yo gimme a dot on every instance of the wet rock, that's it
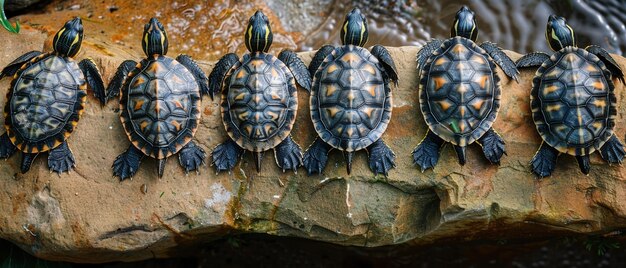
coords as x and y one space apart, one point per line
17 5
89 216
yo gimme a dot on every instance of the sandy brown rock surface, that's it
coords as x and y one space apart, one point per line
89 216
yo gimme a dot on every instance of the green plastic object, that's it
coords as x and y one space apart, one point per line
5 22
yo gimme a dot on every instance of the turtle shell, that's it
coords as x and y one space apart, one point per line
350 100
260 102
459 91
572 101
44 103
160 106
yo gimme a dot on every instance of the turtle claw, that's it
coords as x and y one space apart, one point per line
60 159
544 161
613 151
191 157
381 158
6 147
126 164
288 155
493 146
316 157
225 156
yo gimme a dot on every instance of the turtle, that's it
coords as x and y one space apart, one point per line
259 100
46 99
351 100
459 93
572 100
160 105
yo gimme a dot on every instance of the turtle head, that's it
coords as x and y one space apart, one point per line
354 29
559 34
68 39
259 34
154 40
465 24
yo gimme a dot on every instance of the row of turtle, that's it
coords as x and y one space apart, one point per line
572 99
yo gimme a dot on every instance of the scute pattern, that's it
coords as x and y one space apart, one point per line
573 102
260 102
350 101
44 103
459 91
160 108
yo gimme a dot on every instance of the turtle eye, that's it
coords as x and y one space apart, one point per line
68 39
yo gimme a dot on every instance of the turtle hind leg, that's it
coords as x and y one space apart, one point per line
127 164
316 157
544 161
426 154
191 157
381 157
27 161
7 149
288 155
61 159
493 146
584 163
226 155
613 150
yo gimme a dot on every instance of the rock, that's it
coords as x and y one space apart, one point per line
89 216
17 5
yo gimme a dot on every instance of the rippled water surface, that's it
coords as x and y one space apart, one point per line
209 29
513 24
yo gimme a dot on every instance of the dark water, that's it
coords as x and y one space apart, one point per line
513 24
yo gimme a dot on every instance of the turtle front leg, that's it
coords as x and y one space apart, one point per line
126 164
218 73
316 157
532 59
608 61
117 82
613 151
544 161
225 155
191 157
426 154
192 66
61 159
7 149
493 146
94 80
506 63
15 65
297 68
288 155
381 157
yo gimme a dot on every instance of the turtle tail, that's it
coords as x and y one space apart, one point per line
349 156
161 167
257 160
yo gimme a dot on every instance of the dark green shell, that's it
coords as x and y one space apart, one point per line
459 91
44 103
160 106
260 102
350 102
572 101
